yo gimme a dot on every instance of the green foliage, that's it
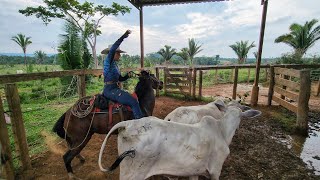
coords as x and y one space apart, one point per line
301 37
40 56
167 53
70 48
86 16
184 55
242 49
23 42
194 49
291 58
30 68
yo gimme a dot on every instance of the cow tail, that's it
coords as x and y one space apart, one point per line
117 162
130 153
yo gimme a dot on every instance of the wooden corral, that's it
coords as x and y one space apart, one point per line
190 87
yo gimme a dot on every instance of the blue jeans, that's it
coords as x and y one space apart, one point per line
116 94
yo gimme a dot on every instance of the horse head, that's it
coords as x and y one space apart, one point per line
148 78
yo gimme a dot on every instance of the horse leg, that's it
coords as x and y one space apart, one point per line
71 153
81 158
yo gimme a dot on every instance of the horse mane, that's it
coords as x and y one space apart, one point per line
141 87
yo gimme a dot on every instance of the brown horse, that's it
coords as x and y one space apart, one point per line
78 131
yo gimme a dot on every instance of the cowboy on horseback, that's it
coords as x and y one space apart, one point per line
112 77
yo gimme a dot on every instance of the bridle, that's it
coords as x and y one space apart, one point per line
149 77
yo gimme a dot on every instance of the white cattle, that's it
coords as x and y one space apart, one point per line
193 114
175 149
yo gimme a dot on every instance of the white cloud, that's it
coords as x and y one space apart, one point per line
201 25
215 25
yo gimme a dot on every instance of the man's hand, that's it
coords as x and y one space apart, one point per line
130 74
126 34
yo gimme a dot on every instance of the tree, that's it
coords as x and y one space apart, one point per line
242 49
70 48
23 42
40 56
167 52
301 37
86 16
184 55
255 54
194 49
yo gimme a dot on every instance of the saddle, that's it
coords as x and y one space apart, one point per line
102 104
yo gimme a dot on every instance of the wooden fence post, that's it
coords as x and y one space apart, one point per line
235 82
157 76
248 76
81 85
5 145
318 90
165 70
266 74
271 85
194 82
216 76
303 101
232 74
200 84
18 129
190 82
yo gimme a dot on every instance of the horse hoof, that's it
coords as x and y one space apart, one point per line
73 177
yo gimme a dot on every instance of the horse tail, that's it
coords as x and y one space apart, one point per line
122 124
58 127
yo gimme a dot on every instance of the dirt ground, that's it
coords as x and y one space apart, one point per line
254 152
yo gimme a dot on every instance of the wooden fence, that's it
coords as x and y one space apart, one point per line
178 81
293 87
233 78
19 134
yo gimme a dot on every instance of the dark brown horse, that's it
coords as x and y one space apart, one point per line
78 131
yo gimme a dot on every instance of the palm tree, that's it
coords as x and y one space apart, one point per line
255 54
23 42
194 49
301 37
40 56
241 49
167 52
184 55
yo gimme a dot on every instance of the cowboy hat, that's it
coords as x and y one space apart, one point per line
106 51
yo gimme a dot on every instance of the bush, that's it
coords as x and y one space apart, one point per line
290 58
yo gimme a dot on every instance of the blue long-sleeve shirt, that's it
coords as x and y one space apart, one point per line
111 70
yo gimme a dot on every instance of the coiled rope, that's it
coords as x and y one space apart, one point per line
76 109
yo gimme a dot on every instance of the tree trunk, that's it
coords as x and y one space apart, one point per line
25 57
95 59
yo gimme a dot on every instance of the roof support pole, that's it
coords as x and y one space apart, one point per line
255 88
141 36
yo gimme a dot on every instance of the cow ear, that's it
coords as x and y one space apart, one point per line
221 107
251 113
244 107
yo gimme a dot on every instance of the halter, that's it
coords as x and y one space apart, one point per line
149 77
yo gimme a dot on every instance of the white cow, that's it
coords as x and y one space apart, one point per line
169 148
193 114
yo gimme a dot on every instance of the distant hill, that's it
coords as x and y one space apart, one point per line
21 54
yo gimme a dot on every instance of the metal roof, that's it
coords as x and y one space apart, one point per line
140 3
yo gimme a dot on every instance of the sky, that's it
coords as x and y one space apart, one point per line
214 25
